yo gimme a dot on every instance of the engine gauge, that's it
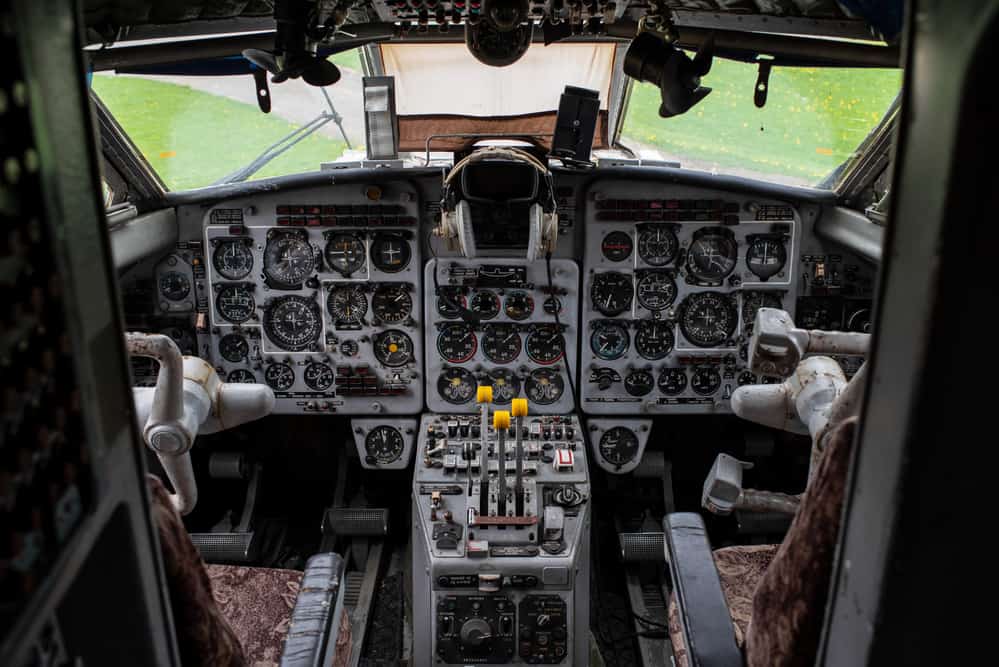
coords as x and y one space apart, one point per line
752 302
233 347
288 259
639 383
347 304
457 343
610 340
766 257
485 304
279 377
505 384
544 386
618 446
235 303
617 246
712 255
318 376
501 343
552 305
383 445
448 300
705 380
232 259
708 319
519 305
456 385
240 376
611 293
175 285
390 253
393 348
656 291
746 377
672 381
657 245
545 344
292 322
392 304
344 253
654 339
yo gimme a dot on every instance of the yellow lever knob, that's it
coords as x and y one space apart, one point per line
518 408
484 394
501 420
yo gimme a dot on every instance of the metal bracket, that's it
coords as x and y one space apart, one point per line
263 91
762 83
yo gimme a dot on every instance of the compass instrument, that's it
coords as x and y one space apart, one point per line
293 323
708 319
288 259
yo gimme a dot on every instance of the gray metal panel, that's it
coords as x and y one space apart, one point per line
142 237
852 230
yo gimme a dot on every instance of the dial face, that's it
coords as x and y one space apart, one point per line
457 343
545 344
456 385
392 304
654 339
347 304
318 377
344 253
545 386
708 319
705 380
235 303
384 444
288 259
552 305
617 246
619 446
712 255
766 257
518 305
233 347
279 377
505 384
501 343
639 383
293 323
672 381
610 340
485 304
233 259
175 285
390 253
611 293
656 290
393 348
752 302
657 245
240 376
448 299
746 377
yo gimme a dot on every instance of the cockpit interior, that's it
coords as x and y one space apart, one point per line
360 333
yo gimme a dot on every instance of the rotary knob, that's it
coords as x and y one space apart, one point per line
475 632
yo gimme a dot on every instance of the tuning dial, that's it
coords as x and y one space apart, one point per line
475 632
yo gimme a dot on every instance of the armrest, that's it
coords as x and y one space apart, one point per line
704 617
315 620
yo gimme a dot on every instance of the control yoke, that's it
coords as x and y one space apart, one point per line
188 399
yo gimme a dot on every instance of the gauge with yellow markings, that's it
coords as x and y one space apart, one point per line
456 385
393 348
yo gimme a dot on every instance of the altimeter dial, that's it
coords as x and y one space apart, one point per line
347 304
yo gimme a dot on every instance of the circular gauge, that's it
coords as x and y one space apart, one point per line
501 343
347 304
705 380
766 257
349 348
235 303
390 253
656 290
175 285
746 377
654 339
456 385
505 384
639 383
657 245
619 446
393 348
708 319
552 305
240 376
545 344
672 381
233 259
391 304
279 377
318 377
457 343
518 305
545 386
344 253
859 321
617 246
233 347
485 304
752 302
712 255
288 259
292 322
448 300
383 445
610 340
611 293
